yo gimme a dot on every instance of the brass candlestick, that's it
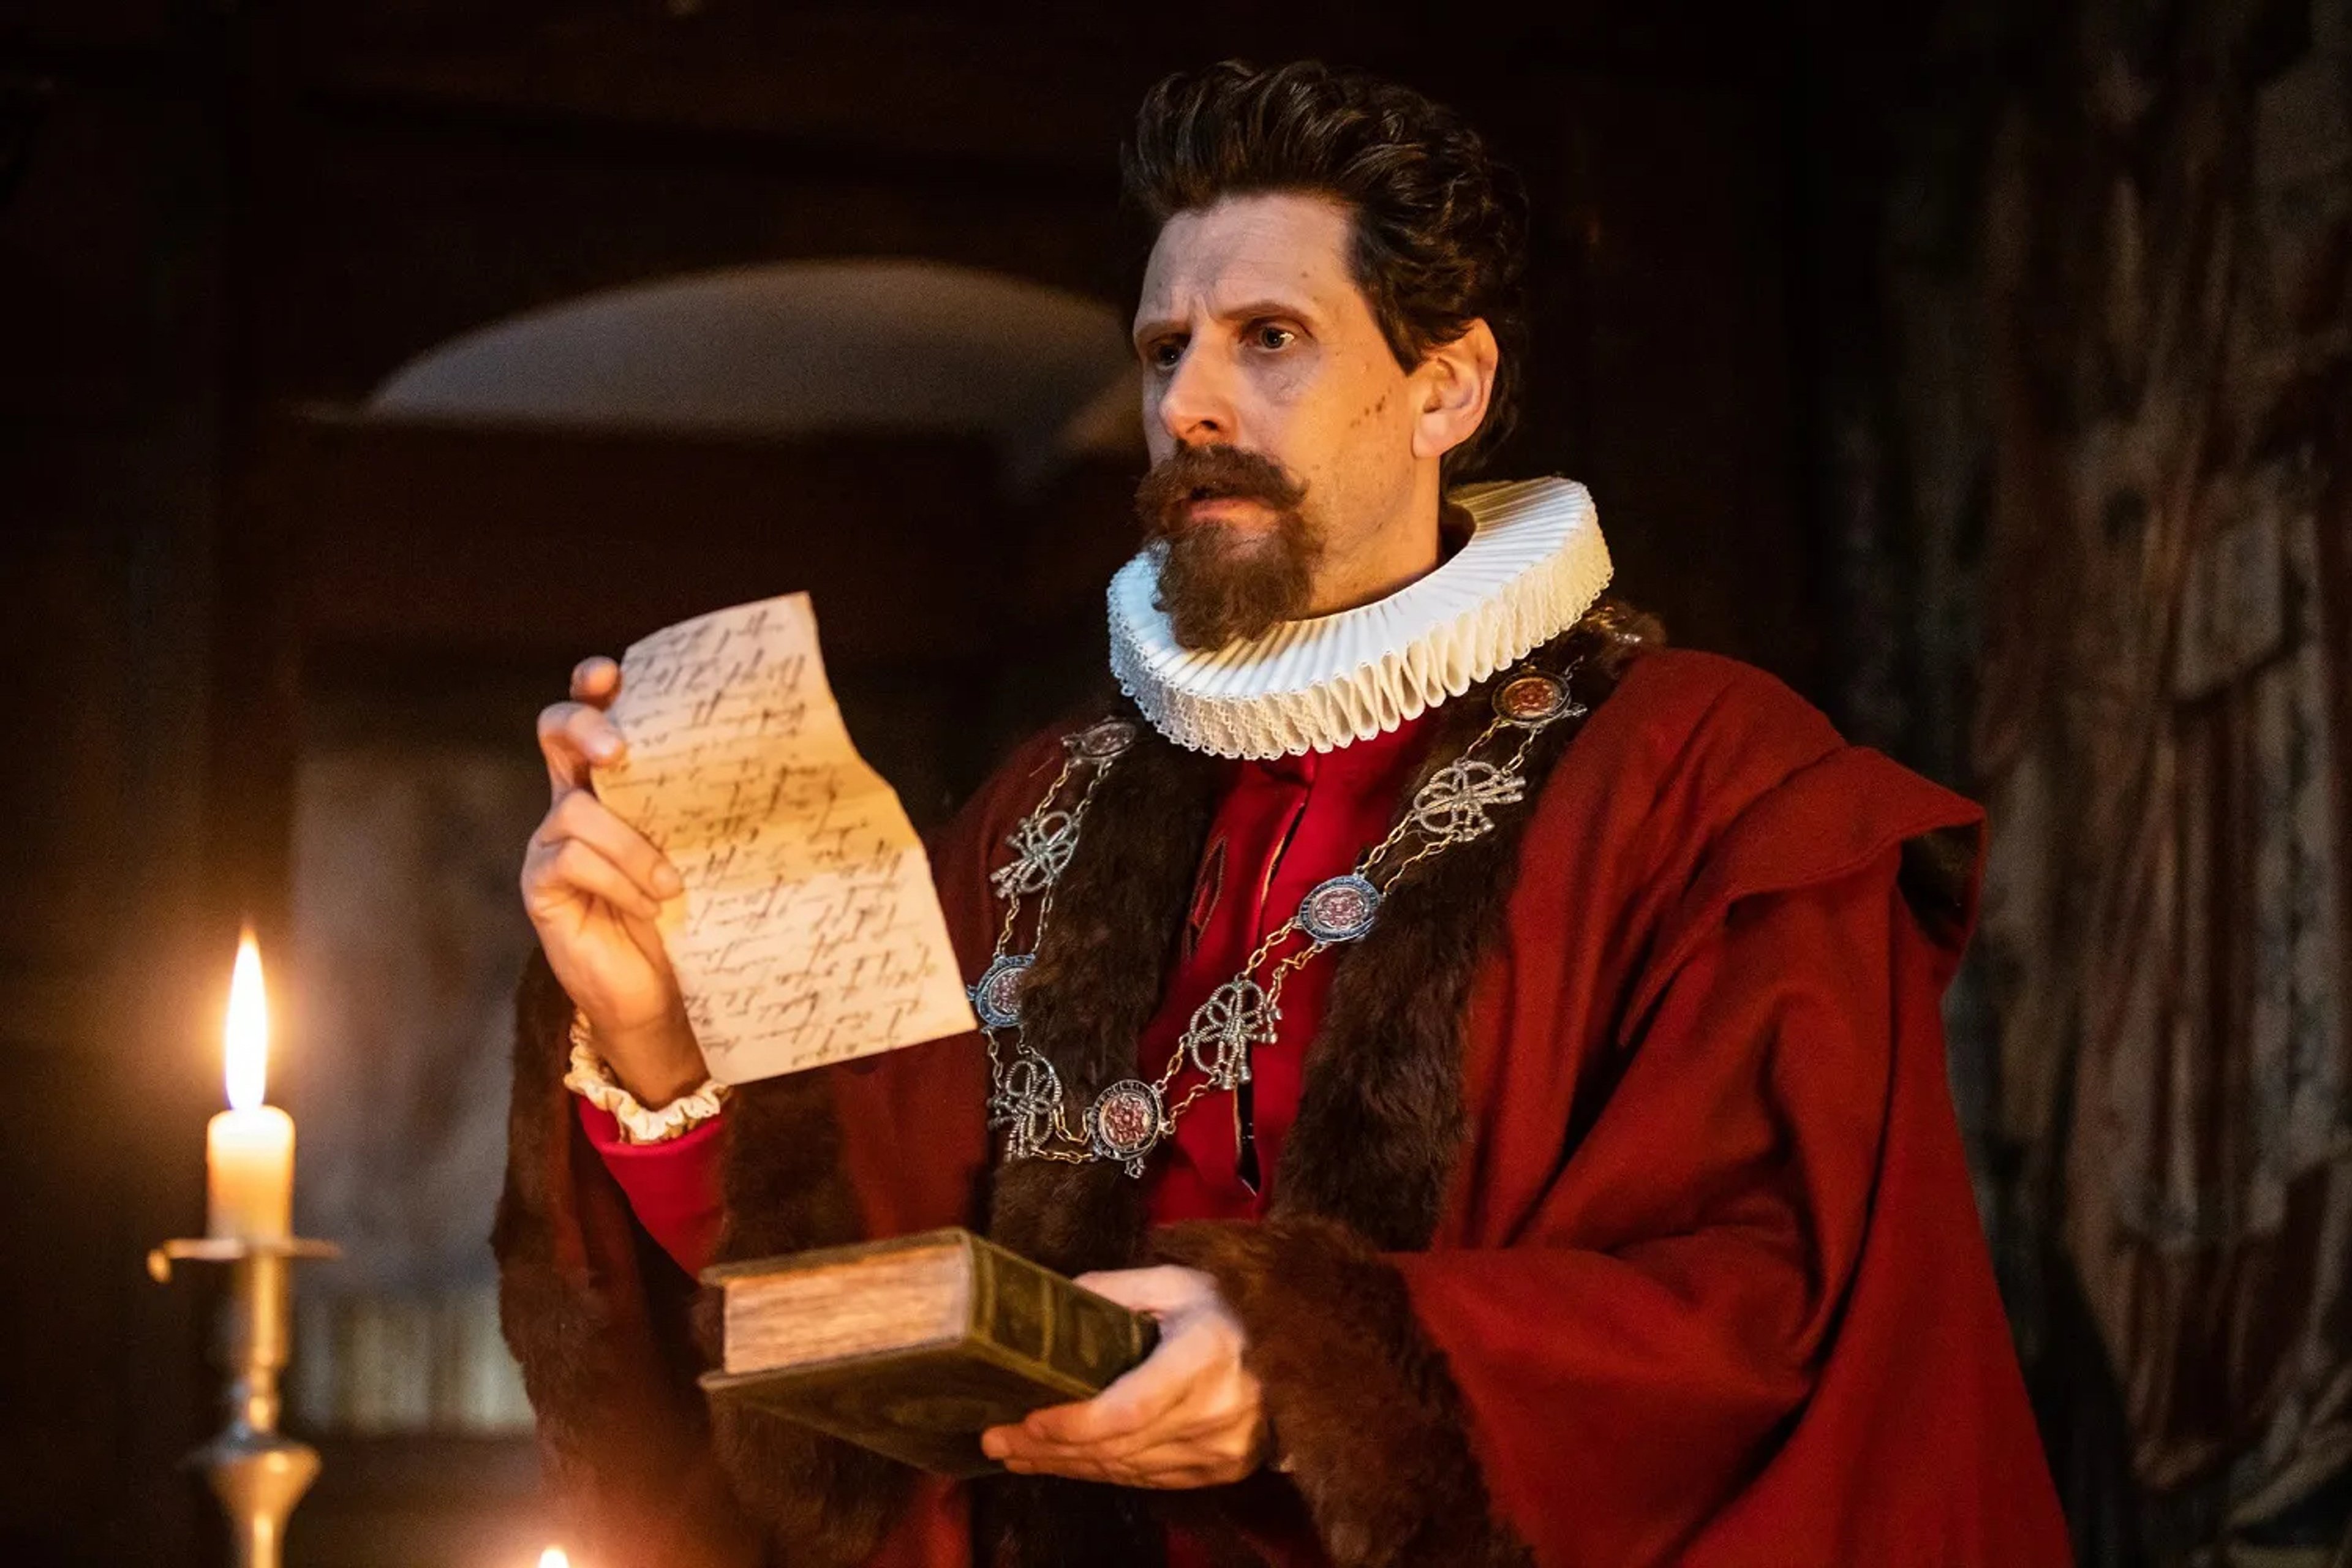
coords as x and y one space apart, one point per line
258 1474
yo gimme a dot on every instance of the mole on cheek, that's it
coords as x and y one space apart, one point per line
1374 412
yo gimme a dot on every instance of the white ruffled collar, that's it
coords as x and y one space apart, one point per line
1534 563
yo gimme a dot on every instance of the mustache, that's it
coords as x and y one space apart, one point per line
1210 473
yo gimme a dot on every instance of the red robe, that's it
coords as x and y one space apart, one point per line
1707 1283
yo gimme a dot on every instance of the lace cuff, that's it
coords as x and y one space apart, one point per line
593 1081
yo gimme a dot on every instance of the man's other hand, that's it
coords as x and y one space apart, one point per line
1190 1416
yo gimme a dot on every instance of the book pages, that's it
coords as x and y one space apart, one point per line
809 931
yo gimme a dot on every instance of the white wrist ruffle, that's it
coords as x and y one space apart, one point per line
593 1081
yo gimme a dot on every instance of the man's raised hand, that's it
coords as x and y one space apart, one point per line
593 886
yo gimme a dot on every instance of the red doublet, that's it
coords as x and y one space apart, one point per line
1281 827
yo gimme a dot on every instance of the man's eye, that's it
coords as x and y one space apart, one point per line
1164 355
1273 337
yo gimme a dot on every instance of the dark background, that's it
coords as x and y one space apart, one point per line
1782 334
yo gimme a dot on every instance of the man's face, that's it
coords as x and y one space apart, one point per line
1280 422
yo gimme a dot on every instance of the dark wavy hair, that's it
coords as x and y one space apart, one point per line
1439 226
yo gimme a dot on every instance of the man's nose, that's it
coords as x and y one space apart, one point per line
1196 405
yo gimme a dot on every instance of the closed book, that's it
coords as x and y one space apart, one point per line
914 1346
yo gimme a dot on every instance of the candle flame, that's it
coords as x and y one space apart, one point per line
247 1035
553 1557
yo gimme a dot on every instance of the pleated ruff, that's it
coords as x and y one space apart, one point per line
1534 563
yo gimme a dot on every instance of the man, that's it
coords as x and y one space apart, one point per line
1504 1054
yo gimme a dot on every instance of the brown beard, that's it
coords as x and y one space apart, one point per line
1219 584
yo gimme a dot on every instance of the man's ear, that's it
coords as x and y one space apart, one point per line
1451 389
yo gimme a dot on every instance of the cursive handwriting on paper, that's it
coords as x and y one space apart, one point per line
809 931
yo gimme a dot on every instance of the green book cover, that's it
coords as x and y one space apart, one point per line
915 1345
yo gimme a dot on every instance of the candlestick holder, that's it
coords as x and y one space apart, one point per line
257 1473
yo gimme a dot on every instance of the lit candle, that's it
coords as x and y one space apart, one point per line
249 1147
553 1558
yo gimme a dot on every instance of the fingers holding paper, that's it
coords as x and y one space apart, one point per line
1190 1415
593 889
593 886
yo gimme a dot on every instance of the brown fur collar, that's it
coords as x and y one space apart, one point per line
1099 974
1367 1164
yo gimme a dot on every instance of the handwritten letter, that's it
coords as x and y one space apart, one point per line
809 931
